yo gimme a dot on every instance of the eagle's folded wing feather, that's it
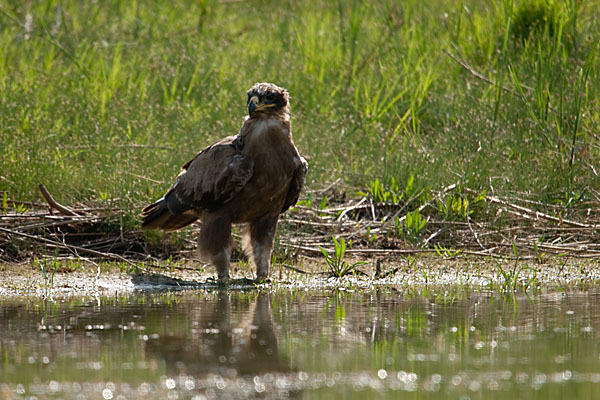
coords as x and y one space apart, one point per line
296 185
212 178
206 182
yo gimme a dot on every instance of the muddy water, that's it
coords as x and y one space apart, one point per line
431 344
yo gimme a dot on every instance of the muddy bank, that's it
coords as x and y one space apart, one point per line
88 279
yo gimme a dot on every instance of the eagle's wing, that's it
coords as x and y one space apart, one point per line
207 181
212 178
296 185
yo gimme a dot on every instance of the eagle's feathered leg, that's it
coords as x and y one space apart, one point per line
214 243
258 244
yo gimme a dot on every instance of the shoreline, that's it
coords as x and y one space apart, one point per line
25 279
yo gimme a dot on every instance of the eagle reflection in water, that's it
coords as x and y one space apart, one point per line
220 345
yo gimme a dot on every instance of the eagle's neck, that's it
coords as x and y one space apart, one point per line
283 115
267 123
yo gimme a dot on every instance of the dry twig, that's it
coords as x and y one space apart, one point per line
54 204
305 230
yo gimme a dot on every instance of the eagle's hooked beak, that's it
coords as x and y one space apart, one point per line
254 105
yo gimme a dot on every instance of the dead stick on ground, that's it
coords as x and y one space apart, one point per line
532 214
54 204
323 191
301 271
354 207
70 248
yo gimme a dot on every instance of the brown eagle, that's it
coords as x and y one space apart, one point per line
249 178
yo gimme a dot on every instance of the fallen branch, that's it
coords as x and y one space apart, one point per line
300 271
532 214
54 204
70 248
307 229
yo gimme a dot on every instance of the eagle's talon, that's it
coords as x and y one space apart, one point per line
224 280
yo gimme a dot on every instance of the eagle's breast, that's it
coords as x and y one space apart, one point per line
268 143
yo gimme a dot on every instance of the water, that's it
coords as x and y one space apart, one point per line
430 344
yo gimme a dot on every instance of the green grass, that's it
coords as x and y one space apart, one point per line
103 101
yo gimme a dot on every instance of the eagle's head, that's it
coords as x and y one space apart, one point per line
267 99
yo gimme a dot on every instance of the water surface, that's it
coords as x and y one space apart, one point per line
430 344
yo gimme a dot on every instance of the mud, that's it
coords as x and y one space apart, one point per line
88 279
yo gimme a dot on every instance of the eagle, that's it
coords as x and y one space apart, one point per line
249 178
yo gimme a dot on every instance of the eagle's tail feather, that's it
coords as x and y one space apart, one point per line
158 216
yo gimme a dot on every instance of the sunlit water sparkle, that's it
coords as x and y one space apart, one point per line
292 343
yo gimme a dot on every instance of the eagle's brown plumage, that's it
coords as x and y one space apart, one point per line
248 178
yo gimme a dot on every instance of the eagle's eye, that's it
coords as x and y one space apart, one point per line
269 97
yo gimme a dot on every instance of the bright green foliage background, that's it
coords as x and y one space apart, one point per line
106 99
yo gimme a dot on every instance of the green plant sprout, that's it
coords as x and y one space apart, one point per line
412 227
336 264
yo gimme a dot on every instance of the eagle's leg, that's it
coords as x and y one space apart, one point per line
259 244
214 243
